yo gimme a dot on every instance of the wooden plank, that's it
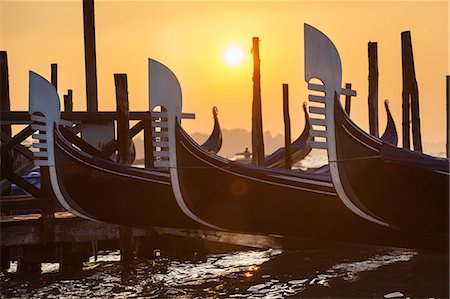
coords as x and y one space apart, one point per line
90 55
21 171
287 128
257 129
9 143
19 202
22 183
22 117
373 89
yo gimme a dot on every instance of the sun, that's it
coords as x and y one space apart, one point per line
233 55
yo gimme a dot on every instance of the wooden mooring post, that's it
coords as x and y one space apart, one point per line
373 89
287 128
410 95
68 101
5 105
6 129
90 55
96 133
348 98
54 75
448 117
124 155
257 129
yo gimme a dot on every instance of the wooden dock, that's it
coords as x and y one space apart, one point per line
76 239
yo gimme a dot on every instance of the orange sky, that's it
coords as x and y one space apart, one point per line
191 37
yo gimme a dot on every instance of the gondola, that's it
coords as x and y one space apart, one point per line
406 190
214 143
390 134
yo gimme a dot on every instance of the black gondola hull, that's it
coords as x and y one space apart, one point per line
392 183
245 198
116 193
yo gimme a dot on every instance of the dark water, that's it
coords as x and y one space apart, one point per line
346 272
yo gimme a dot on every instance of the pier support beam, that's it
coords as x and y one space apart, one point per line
410 95
90 55
5 105
373 89
124 155
287 128
448 117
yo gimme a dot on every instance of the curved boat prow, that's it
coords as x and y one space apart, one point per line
165 91
44 109
164 88
390 134
214 143
322 62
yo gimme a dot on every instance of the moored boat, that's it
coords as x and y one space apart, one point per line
401 189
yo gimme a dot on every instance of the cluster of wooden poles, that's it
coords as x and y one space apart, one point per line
410 103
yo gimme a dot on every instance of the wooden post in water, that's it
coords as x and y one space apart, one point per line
124 155
448 117
373 89
97 133
5 105
123 118
412 89
90 56
54 75
287 128
68 101
348 98
257 130
410 95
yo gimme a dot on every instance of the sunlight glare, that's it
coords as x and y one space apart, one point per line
233 55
